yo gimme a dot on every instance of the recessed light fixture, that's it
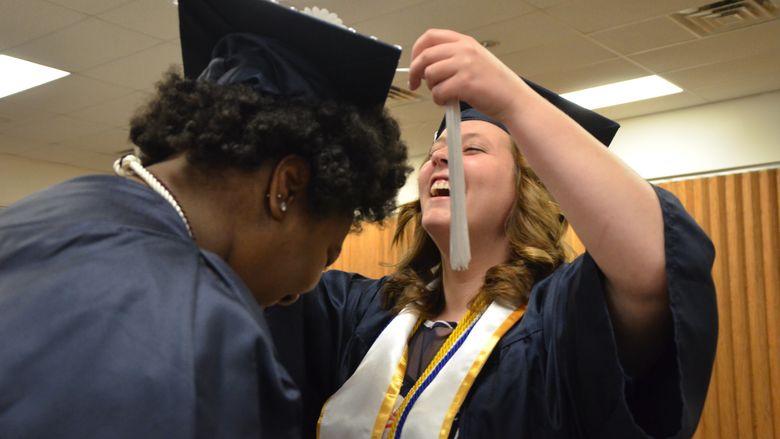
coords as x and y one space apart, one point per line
18 75
617 93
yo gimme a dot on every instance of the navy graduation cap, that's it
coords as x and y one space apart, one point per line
598 126
280 51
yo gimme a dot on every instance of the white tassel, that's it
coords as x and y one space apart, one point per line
460 248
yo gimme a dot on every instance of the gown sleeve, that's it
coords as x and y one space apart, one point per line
322 337
590 390
149 340
242 388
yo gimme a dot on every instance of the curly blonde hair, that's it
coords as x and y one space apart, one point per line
536 229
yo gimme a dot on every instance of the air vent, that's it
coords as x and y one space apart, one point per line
399 94
727 15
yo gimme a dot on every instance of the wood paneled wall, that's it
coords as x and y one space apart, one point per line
370 252
740 213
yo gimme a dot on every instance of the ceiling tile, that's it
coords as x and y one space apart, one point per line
418 112
91 7
650 106
566 54
70 156
459 15
5 122
67 94
594 15
95 161
83 45
465 14
545 4
592 75
139 71
480 13
763 84
112 142
716 82
739 43
644 35
56 129
24 20
723 74
15 114
419 138
115 113
522 32
353 12
158 18
16 146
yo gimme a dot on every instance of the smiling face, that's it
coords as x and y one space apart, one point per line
490 177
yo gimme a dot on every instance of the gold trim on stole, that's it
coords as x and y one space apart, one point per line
474 370
391 395
387 404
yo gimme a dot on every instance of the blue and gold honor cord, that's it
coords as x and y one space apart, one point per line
447 350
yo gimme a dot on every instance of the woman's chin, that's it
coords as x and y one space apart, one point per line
287 300
436 217
439 232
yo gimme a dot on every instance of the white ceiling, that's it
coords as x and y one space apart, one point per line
117 49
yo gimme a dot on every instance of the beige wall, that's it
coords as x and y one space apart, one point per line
736 133
20 177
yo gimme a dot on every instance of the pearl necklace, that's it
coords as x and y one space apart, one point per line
130 164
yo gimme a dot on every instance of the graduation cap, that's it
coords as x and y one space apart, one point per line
281 51
598 126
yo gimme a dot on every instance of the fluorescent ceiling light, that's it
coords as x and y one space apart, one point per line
623 92
17 75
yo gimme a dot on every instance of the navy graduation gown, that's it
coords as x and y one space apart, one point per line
114 323
556 373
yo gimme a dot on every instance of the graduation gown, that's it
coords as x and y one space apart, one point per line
116 324
554 374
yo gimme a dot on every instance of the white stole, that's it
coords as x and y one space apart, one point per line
362 406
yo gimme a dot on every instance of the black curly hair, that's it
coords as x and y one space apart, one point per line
357 158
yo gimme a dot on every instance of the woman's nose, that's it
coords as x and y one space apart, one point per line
439 157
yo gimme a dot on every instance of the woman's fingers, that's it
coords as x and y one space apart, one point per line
433 46
457 67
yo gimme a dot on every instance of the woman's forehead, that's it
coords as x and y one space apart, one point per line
477 129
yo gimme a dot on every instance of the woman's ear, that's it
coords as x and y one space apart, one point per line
289 180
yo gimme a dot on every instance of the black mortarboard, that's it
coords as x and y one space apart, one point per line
279 50
598 126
